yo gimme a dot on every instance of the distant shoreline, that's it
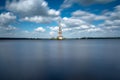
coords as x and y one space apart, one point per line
56 39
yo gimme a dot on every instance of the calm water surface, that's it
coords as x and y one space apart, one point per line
60 60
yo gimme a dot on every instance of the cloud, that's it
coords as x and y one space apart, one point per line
87 16
69 3
39 19
40 29
74 22
28 7
53 13
114 15
54 28
10 28
6 18
79 23
52 33
31 8
94 30
112 22
7 31
33 11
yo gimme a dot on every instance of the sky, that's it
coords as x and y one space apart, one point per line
41 18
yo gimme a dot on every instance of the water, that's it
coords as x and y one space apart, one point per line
60 60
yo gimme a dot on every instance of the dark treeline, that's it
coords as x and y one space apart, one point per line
2 38
23 38
100 38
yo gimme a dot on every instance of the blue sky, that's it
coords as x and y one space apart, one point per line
79 18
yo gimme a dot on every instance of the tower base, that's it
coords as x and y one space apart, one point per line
59 37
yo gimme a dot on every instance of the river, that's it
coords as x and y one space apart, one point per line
92 59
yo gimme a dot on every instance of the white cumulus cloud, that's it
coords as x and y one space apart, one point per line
38 19
5 22
6 18
33 10
30 8
40 29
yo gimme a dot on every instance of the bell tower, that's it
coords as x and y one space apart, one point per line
60 37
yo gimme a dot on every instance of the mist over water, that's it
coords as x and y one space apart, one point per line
60 60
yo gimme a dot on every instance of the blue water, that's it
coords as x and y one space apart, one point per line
60 60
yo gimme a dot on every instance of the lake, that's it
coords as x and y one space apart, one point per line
92 59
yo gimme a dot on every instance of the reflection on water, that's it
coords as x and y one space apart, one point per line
60 60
